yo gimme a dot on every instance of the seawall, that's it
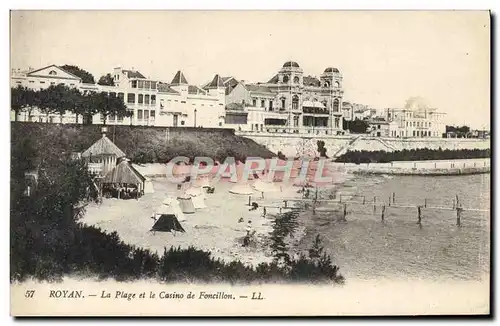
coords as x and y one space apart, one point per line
293 145
438 167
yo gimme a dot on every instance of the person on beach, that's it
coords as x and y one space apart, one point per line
249 228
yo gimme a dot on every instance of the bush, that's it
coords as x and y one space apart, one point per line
411 155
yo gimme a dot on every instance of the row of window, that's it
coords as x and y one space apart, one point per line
295 103
42 82
416 133
418 124
141 98
143 84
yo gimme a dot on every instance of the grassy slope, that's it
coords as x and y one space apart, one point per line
142 144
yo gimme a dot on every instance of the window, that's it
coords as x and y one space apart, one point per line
270 105
326 84
140 84
285 79
52 73
283 102
254 101
296 79
32 81
146 114
337 123
121 96
182 122
71 84
407 123
18 82
413 123
139 114
153 85
413 133
52 83
42 82
337 84
140 100
146 99
378 127
295 102
336 105
153 113
147 84
134 83
153 99
429 124
262 103
131 98
418 123
418 133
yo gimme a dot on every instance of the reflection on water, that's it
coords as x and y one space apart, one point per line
365 247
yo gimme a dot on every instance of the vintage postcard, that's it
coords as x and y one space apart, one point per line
250 163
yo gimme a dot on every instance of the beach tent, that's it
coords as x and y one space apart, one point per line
241 189
171 206
197 197
263 186
186 204
125 173
167 223
148 186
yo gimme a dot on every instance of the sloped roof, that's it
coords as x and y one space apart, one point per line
134 74
215 83
165 88
33 72
311 81
258 88
124 172
179 79
273 80
104 146
193 89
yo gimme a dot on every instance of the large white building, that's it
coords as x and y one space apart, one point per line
151 102
415 120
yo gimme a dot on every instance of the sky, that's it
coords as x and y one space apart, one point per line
385 57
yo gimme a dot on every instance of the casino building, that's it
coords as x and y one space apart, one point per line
290 102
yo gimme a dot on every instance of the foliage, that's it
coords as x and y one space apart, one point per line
422 154
61 99
106 80
356 126
86 76
321 148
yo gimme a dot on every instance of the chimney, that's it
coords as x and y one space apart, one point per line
104 130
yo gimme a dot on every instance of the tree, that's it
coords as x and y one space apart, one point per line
110 104
106 80
356 126
86 76
21 98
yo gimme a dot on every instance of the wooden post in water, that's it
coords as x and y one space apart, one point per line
389 200
374 204
316 194
345 212
364 200
459 215
419 209
458 202
249 200
393 197
425 202
453 204
314 208
383 213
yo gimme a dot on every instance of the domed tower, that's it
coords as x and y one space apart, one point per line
291 74
331 84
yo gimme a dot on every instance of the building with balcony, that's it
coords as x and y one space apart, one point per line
152 102
289 102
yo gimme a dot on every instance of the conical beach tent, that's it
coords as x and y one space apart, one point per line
148 186
262 186
241 189
186 204
197 197
167 223
171 206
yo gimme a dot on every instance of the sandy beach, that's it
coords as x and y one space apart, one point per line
215 228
